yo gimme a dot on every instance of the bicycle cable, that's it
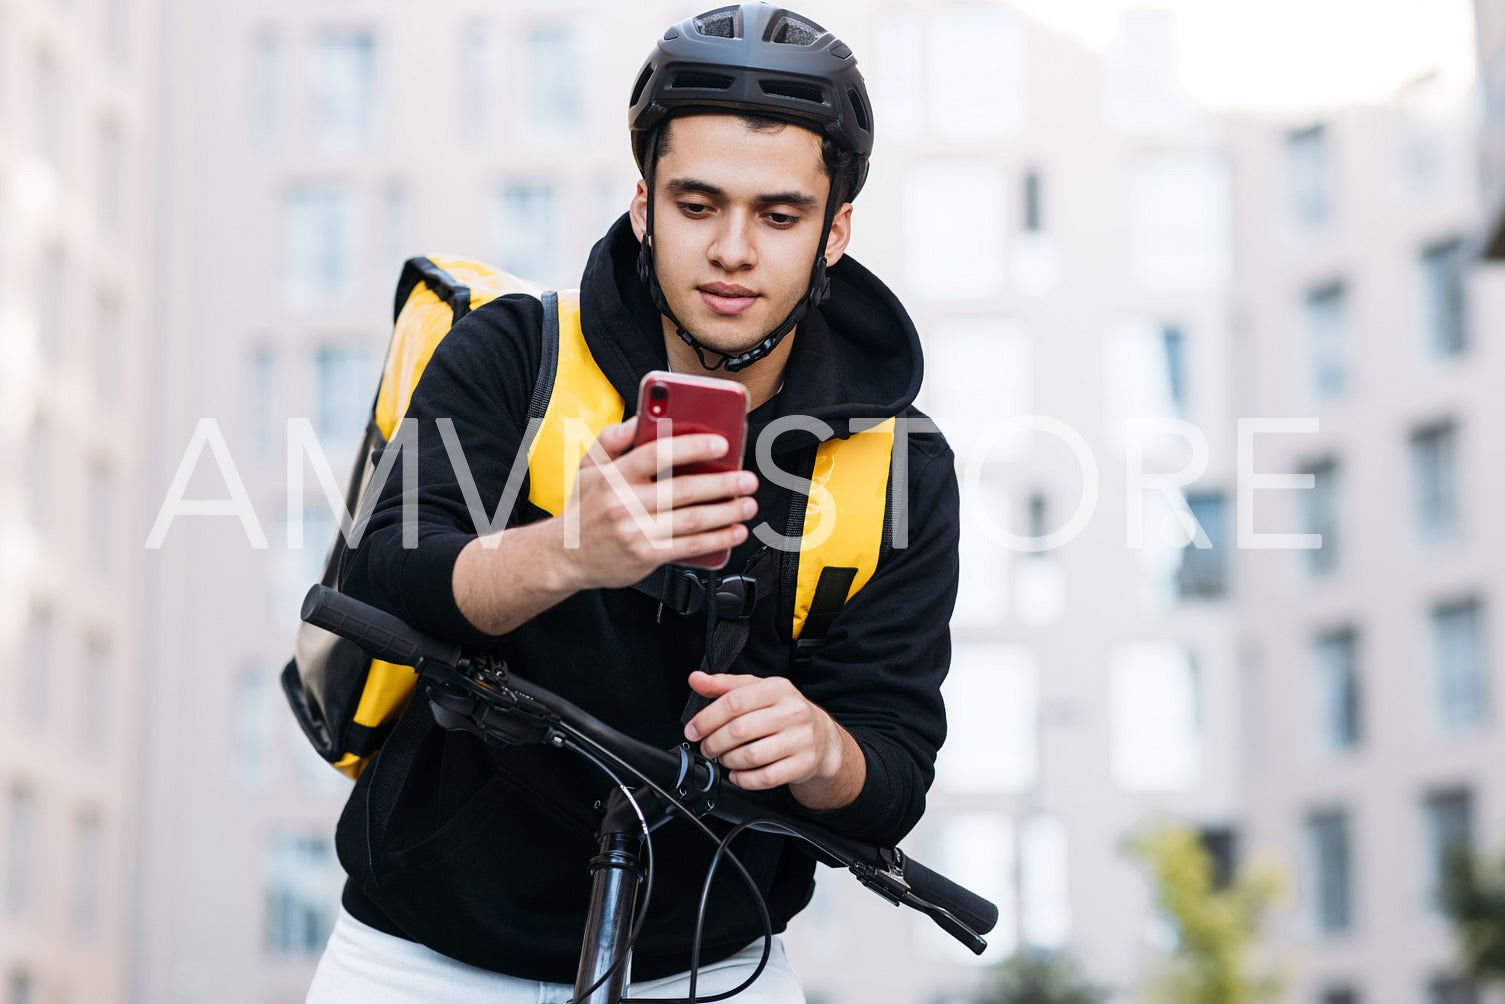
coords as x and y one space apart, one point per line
642 913
578 737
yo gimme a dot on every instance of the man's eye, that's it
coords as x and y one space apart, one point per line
693 208
782 219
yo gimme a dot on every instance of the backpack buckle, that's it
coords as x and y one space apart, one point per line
687 593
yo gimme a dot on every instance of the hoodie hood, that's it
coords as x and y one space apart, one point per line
856 357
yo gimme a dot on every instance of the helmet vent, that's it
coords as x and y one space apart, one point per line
722 23
637 88
859 109
793 89
789 29
701 81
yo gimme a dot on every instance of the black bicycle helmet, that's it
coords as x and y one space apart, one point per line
758 58
768 61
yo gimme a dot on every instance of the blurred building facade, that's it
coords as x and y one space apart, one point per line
1369 663
1489 33
1076 241
77 127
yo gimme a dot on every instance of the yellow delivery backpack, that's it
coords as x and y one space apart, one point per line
347 703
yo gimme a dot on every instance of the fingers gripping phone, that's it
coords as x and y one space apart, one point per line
680 404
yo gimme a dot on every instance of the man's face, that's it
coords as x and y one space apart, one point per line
737 219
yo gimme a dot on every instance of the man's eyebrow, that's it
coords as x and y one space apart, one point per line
797 200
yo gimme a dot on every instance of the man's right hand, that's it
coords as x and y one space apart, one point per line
622 522
633 516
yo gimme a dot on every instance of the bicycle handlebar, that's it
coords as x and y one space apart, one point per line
700 784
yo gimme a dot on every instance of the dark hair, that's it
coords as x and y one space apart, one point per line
835 162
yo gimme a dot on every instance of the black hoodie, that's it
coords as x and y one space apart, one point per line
485 858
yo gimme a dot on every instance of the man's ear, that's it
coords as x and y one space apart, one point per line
841 233
638 210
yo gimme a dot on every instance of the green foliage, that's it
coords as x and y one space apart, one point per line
1216 928
1473 895
1033 977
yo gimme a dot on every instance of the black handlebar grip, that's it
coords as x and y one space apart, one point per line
965 905
378 633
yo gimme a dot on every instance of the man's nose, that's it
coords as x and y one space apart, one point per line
733 248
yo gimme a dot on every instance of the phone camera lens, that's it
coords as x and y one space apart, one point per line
658 392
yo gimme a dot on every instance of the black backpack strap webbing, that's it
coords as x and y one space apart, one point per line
729 620
830 596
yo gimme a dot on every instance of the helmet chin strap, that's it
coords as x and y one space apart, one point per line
818 292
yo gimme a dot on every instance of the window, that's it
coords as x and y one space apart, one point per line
118 30
1181 221
317 220
1155 717
1434 482
1442 277
1174 342
299 568
266 85
1037 517
395 210
37 684
52 295
1450 830
88 865
20 852
94 700
38 452
1032 220
980 378
475 86
263 400
978 78
1339 995
1326 323
527 228
344 377
345 87
1331 871
1458 653
1320 516
1203 572
253 726
22 990
303 892
954 245
1144 87
1044 883
1339 695
1144 376
1220 844
101 518
108 333
1307 175
554 75
1452 990
111 164
47 126
992 697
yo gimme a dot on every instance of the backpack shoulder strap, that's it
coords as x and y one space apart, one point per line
844 530
581 403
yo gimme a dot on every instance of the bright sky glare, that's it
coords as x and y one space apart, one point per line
1290 55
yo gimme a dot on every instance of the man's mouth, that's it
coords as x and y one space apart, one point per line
725 298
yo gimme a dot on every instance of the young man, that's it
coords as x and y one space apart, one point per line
752 128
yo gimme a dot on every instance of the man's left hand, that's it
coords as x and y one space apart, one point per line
766 733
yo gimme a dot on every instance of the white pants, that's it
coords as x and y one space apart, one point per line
362 965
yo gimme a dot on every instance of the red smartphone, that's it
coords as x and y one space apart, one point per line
680 404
